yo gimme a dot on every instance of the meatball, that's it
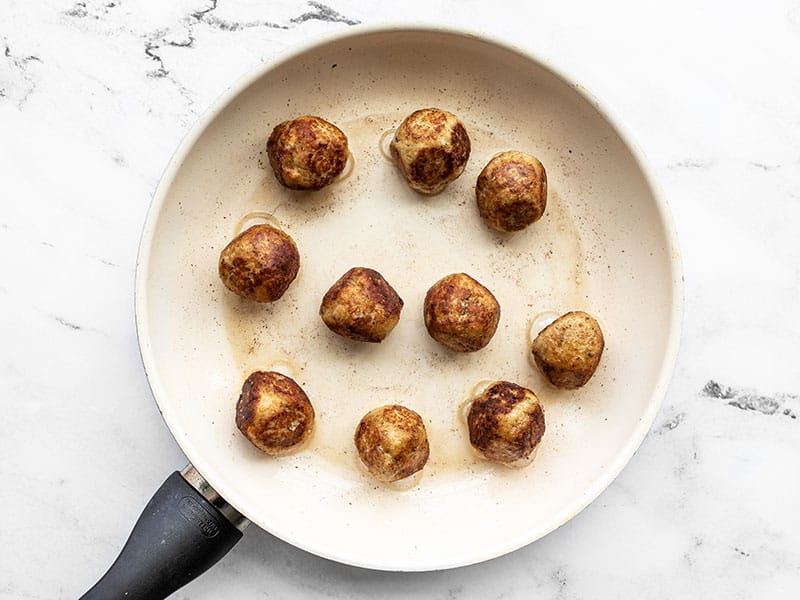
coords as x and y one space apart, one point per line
460 313
512 191
506 423
274 413
307 153
392 442
569 349
259 263
361 306
431 147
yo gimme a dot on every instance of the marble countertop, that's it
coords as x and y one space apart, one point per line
96 95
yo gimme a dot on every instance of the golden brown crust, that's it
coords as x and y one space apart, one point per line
392 442
569 349
511 191
274 413
307 153
361 306
461 313
259 263
431 147
506 423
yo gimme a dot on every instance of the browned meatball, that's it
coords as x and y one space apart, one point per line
506 423
259 263
392 442
307 153
361 306
512 191
431 147
274 413
569 349
460 313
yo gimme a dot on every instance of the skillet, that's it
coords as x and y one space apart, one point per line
606 244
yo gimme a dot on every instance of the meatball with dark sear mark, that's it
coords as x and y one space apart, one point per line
512 191
259 263
307 153
361 306
274 413
392 442
506 423
431 148
461 313
569 349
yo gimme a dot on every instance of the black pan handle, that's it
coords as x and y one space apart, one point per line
184 530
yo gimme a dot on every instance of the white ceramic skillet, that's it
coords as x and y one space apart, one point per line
605 245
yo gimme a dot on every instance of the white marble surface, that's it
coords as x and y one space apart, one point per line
95 96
